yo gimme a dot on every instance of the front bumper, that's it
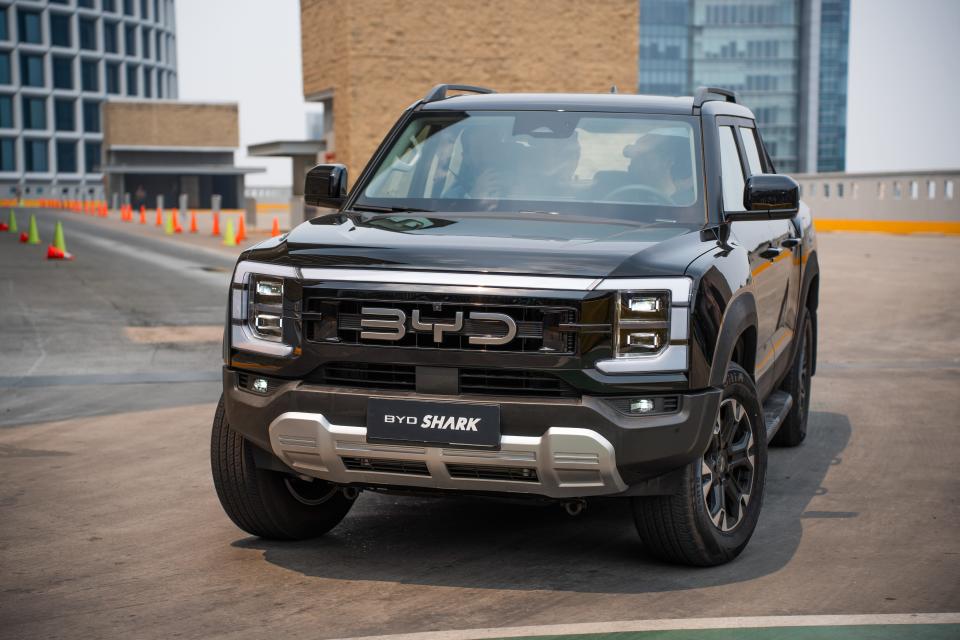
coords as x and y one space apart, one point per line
553 447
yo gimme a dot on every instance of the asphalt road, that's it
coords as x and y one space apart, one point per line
109 525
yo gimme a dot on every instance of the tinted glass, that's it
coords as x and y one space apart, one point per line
8 158
132 73
146 39
753 153
112 72
733 181
31 70
643 168
34 113
90 75
63 115
88 34
28 26
35 155
4 67
67 156
60 29
91 117
91 154
130 34
6 111
62 73
110 43
4 29
128 7
109 5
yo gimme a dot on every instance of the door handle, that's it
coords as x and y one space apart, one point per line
790 243
770 253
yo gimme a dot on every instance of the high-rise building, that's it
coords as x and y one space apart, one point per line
59 61
786 59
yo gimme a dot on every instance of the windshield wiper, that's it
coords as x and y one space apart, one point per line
375 209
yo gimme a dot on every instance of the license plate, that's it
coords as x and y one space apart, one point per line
433 423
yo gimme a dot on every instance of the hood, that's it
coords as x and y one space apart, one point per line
541 244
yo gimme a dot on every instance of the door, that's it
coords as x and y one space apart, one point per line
756 237
785 239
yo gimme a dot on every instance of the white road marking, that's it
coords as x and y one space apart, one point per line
678 624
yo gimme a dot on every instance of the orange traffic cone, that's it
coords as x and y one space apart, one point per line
216 224
176 221
159 217
241 231
143 214
193 221
276 228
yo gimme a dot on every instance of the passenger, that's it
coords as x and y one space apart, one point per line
663 163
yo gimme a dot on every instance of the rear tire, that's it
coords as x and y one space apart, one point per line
711 519
797 383
267 503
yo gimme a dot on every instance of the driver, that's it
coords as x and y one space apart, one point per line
662 162
483 172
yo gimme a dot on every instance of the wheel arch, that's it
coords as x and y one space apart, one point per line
739 329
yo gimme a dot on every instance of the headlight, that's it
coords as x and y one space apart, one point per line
642 323
266 307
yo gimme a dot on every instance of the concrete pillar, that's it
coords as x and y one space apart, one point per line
250 212
126 198
160 201
296 211
184 203
115 202
215 202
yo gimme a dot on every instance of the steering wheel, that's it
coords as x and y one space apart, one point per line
657 197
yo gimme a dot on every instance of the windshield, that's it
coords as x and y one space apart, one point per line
606 165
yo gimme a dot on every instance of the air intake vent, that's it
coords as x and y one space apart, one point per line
479 472
512 382
398 377
379 465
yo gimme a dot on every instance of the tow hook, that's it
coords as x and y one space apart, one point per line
574 507
350 493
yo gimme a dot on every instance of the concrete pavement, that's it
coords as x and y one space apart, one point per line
109 525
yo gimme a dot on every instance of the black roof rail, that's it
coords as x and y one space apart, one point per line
439 92
703 95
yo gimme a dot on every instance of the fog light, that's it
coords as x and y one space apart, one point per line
260 385
641 405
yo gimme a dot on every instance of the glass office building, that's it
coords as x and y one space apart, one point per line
786 59
59 61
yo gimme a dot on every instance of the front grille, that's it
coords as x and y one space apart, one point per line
403 377
407 467
509 382
537 320
480 472
398 377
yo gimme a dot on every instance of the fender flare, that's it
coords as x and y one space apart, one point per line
741 315
811 271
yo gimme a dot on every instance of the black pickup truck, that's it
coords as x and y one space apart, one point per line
547 296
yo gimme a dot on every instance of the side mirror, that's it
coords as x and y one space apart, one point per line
770 196
326 186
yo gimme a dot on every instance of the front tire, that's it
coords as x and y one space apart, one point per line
711 519
265 503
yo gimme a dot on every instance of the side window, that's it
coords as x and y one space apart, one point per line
733 181
753 153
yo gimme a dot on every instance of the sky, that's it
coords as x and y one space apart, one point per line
904 56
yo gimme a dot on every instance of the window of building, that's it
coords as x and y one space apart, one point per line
62 72
914 190
8 157
110 42
31 70
35 155
130 39
854 189
91 116
28 26
90 75
4 29
812 189
753 153
159 47
112 73
91 153
109 5
60 31
733 181
132 73
881 190
64 118
66 156
128 7
34 112
931 189
4 67
88 34
839 189
826 189
86 4
156 11
147 83
948 189
159 83
147 39
6 112
896 190
143 8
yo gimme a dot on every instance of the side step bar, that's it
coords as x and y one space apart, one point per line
775 411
